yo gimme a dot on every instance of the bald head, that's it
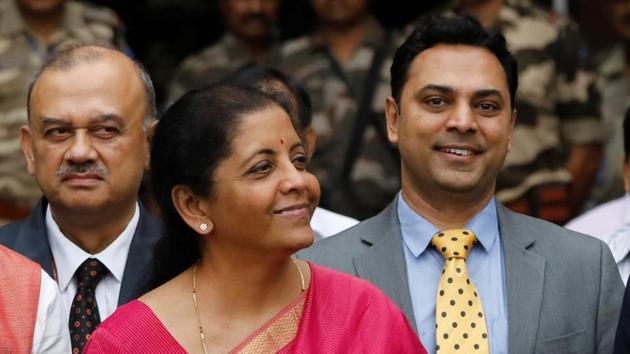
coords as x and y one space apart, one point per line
74 56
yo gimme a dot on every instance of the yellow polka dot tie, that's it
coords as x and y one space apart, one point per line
459 319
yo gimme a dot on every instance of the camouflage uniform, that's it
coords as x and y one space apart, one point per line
20 57
336 90
209 65
615 89
557 101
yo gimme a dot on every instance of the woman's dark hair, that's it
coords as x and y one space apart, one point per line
464 30
192 138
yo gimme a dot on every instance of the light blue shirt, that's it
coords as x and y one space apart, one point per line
485 266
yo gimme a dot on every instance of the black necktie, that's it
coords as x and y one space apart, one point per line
84 316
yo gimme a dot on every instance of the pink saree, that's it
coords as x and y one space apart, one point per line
20 281
344 314
338 314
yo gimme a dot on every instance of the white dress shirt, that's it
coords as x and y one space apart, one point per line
51 325
68 257
610 222
327 223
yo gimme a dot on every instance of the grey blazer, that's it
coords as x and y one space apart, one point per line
564 291
29 238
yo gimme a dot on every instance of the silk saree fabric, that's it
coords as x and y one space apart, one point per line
337 314
20 280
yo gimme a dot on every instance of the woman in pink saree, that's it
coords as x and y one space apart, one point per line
228 171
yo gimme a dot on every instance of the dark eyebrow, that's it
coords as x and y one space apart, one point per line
488 93
53 121
446 90
103 118
271 152
299 144
264 151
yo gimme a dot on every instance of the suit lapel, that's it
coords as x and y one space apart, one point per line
32 240
139 267
524 273
383 264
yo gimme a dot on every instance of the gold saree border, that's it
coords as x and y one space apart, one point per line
276 333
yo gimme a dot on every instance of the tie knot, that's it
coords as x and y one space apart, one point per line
454 243
90 273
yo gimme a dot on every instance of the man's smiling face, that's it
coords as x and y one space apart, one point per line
454 122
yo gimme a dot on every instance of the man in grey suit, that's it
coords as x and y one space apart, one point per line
90 113
543 289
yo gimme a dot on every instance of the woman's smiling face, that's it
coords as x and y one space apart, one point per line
263 196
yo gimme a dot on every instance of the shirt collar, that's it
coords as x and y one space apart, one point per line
618 240
626 209
417 231
68 256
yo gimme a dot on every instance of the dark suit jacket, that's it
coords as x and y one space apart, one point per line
564 291
29 237
622 340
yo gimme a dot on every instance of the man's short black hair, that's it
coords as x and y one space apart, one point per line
464 30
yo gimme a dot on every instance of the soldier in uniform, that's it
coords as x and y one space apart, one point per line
344 66
249 38
556 145
614 82
30 31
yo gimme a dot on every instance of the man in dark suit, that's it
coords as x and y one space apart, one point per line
538 288
90 112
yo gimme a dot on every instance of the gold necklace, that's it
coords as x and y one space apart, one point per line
194 296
